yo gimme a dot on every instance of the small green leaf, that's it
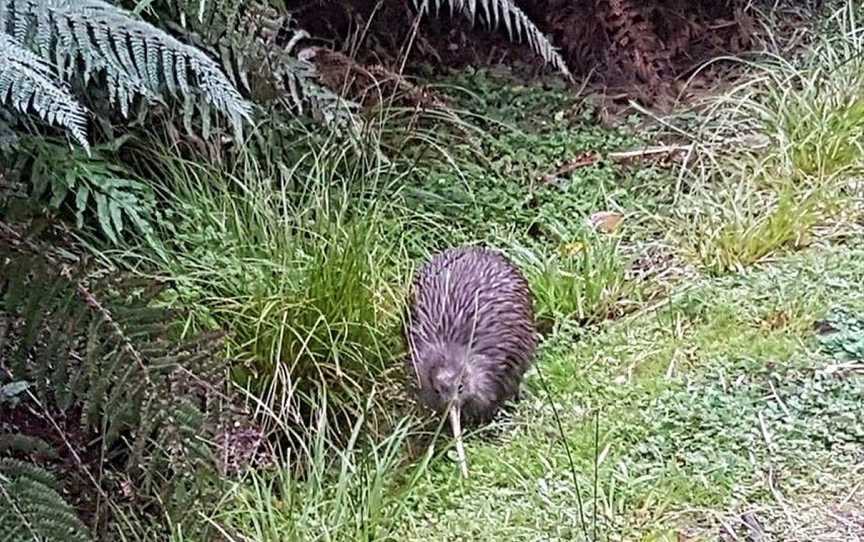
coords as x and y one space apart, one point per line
116 216
60 189
71 179
104 216
81 199
139 223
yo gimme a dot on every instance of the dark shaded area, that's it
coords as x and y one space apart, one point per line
639 49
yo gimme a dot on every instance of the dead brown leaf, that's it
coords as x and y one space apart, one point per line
605 221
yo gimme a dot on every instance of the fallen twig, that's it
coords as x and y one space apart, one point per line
749 141
765 434
779 400
778 496
852 493
583 160
849 367
622 156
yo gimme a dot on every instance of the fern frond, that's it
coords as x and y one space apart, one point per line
256 44
34 510
15 469
18 443
98 345
28 84
514 19
137 58
8 137
91 183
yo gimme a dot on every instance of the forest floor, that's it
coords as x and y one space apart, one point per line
727 404
700 376
722 416
698 282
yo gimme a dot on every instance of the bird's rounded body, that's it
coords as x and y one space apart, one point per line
470 332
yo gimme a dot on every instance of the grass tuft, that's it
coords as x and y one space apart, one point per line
776 154
734 228
583 281
302 288
325 490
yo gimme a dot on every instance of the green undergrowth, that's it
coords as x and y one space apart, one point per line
777 156
338 491
681 407
580 280
512 180
307 266
690 404
691 358
306 290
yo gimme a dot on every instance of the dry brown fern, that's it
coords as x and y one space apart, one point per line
634 44
642 49
367 85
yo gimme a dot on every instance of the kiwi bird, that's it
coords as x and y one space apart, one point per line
470 334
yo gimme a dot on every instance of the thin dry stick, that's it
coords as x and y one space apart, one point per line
777 495
779 401
728 528
774 491
765 434
852 493
583 160
649 151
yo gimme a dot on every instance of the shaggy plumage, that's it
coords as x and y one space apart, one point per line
470 332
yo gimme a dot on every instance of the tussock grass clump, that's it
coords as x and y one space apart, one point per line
808 112
583 281
326 490
814 111
301 288
776 153
731 229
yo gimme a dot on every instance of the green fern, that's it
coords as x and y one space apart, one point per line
8 137
256 44
91 182
27 81
25 444
98 349
31 508
94 38
518 24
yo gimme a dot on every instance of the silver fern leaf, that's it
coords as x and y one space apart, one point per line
514 19
255 38
137 58
28 84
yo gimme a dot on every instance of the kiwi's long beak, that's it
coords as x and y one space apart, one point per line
455 414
